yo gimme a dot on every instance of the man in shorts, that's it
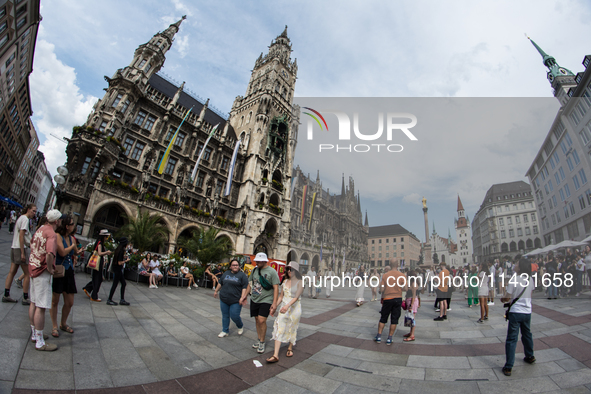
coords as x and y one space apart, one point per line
263 299
41 266
19 254
392 284
443 293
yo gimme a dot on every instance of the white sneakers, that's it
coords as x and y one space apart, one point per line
223 334
240 331
189 288
153 287
195 285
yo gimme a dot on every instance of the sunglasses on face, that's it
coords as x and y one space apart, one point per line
288 268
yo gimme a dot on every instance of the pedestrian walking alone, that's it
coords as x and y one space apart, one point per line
518 295
120 258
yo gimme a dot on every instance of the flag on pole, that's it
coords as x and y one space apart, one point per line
194 174
321 243
231 170
164 160
304 194
343 263
311 211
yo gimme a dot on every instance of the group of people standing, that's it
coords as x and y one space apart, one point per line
268 295
39 254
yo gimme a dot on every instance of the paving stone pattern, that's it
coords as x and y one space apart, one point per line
166 341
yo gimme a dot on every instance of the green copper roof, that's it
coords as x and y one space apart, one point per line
550 62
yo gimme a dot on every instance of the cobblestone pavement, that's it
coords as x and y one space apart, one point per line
167 341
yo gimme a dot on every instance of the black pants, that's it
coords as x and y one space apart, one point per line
118 272
94 285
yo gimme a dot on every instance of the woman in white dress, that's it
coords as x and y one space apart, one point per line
361 289
286 325
483 289
156 275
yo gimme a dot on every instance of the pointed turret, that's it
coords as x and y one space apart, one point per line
343 186
358 201
174 28
561 79
202 113
434 232
461 221
366 220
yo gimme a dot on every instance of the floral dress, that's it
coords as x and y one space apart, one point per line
286 325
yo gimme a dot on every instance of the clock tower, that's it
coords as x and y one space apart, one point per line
464 236
266 122
561 79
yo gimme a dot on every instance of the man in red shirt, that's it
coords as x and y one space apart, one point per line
392 284
41 266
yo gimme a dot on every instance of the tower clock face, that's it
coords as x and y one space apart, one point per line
462 232
562 71
550 77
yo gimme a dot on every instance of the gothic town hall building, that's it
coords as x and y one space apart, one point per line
112 159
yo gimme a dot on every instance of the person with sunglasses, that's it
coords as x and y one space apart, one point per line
286 325
66 285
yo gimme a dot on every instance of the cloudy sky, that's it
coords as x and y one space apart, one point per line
424 48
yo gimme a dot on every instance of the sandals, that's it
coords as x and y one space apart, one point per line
67 329
409 339
289 353
272 359
406 335
55 333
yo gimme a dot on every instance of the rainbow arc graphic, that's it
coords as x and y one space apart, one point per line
315 118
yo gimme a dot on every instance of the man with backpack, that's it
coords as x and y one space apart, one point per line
264 284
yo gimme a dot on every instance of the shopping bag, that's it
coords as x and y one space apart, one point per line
93 262
409 319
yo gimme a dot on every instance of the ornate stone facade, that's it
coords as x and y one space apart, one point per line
335 224
113 158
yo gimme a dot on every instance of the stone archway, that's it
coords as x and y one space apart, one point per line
304 262
110 216
316 263
292 256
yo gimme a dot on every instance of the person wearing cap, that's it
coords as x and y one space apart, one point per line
263 299
117 267
66 285
92 288
285 329
41 268
232 288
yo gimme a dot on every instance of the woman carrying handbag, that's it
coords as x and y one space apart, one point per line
92 288
64 283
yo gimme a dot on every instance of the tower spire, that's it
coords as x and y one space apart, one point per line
174 28
366 221
561 79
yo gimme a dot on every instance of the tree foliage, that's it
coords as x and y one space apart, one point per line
145 231
206 246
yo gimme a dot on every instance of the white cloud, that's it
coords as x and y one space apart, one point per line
57 101
180 6
181 44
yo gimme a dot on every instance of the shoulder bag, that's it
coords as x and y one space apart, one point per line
94 261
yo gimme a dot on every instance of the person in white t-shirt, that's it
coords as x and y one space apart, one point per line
19 254
518 294
328 274
312 276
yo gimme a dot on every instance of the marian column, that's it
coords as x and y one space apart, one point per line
427 257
